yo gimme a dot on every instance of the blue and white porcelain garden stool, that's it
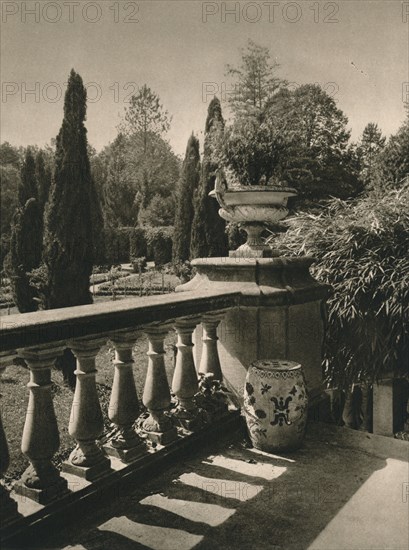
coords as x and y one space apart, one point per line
275 405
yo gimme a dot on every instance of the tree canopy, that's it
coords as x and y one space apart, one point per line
393 167
316 156
256 81
146 116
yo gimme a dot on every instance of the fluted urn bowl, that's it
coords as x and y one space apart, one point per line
255 208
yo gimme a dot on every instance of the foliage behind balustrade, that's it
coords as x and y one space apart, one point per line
159 244
362 248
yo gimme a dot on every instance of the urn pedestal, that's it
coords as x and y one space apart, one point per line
275 405
281 313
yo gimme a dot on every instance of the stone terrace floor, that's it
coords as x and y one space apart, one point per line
342 490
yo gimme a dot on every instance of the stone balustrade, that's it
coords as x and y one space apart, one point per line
40 338
233 312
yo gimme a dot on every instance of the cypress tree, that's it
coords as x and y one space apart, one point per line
26 238
208 229
68 222
188 183
43 175
28 187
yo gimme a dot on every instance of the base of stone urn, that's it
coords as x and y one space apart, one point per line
281 314
245 251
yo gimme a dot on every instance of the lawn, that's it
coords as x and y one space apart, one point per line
14 399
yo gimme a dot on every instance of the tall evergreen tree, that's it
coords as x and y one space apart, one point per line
146 116
208 229
43 175
188 183
68 221
28 188
26 238
256 81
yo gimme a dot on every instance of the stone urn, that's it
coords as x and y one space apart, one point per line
275 405
255 208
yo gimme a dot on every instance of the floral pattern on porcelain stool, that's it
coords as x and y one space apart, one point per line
275 405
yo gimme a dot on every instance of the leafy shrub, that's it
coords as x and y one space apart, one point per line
138 264
184 271
159 244
137 243
6 297
362 249
159 212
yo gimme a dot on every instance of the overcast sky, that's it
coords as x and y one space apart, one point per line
357 50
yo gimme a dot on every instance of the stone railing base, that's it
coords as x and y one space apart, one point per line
36 520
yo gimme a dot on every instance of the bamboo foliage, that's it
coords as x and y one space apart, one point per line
362 250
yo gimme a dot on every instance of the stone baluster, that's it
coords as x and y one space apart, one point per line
212 397
185 385
124 406
210 362
156 396
41 481
86 424
8 506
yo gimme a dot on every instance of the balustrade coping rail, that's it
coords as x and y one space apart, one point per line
44 327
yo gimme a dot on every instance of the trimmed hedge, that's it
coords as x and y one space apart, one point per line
123 244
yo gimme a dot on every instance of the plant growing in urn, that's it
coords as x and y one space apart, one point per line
248 154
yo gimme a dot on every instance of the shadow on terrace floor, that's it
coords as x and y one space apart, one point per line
326 495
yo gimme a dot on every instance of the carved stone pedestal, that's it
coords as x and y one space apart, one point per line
45 495
128 454
163 438
90 473
281 314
